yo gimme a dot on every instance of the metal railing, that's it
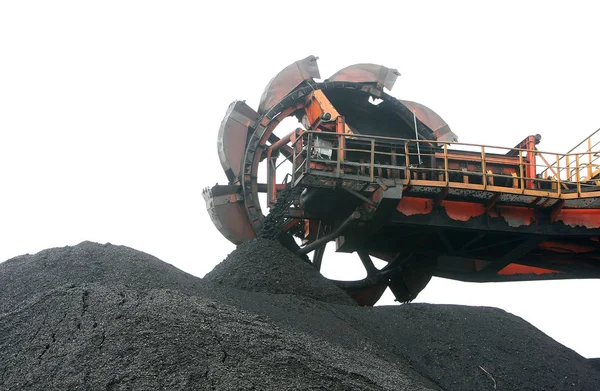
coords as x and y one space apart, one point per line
468 166
581 161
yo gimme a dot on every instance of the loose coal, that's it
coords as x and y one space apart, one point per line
263 265
457 346
112 318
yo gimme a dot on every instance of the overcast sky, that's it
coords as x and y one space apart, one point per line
109 113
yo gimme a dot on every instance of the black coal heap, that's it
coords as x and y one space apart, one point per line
109 317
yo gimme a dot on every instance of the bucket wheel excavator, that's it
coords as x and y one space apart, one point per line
386 178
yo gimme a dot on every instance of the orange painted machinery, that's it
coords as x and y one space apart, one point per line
386 178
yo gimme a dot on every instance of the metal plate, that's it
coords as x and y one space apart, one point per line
286 81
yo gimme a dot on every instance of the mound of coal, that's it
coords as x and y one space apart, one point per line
263 265
458 346
29 275
112 318
106 317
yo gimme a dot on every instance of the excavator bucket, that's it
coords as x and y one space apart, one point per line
433 120
225 207
233 134
286 81
367 73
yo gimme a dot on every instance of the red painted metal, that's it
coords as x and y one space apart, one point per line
367 73
468 215
271 171
588 218
566 247
433 120
226 210
409 206
231 140
462 210
286 81
516 269
515 216
530 167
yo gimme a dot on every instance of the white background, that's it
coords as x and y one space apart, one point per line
109 113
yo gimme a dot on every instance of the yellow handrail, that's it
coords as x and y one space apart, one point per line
566 181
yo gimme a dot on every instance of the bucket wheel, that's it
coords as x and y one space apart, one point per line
343 103
406 275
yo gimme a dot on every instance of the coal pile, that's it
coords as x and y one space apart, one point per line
263 265
112 318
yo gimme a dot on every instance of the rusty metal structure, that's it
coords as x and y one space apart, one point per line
387 178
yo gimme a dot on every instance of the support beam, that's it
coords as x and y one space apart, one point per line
367 263
319 242
515 253
318 257
285 149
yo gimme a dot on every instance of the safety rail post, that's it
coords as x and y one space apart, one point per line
340 128
339 155
296 151
446 173
531 169
394 163
568 168
521 176
577 175
372 158
589 168
559 184
308 152
407 161
483 172
294 161
271 179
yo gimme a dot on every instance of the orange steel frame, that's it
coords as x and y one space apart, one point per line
484 213
518 167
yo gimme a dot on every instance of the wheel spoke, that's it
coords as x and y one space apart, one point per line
318 257
367 263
